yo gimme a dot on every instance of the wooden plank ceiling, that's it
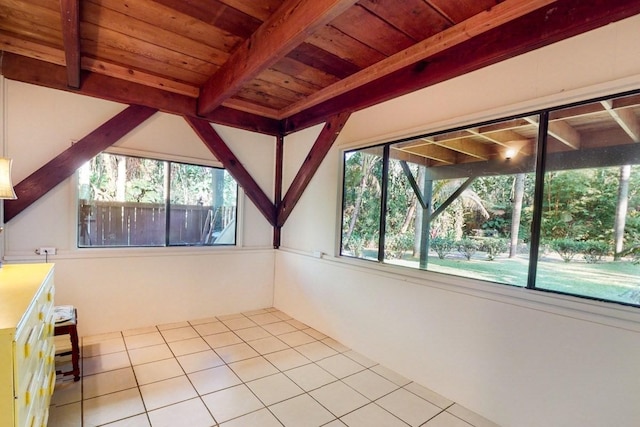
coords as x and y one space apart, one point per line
275 66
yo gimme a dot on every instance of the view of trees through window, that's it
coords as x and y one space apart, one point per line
132 201
479 202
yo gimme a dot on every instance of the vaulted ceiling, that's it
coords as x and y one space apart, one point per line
275 66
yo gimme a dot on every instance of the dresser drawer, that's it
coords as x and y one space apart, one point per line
27 366
25 404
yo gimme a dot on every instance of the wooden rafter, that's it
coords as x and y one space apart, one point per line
507 139
469 147
478 24
565 133
29 70
539 28
625 119
406 156
70 12
562 131
434 152
65 164
12 44
219 148
288 27
311 163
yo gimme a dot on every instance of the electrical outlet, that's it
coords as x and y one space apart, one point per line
46 250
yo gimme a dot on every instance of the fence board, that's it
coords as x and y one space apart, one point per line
143 224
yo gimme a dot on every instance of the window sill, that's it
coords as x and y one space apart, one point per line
122 252
605 313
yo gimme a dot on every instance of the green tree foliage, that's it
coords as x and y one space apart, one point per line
144 181
579 205
361 206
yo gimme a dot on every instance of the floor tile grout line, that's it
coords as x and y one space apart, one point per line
262 354
198 395
439 413
278 371
144 405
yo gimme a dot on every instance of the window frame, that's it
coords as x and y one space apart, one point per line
539 189
169 161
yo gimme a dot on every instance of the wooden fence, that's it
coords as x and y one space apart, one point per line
144 224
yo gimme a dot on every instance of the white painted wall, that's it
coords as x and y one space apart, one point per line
518 358
116 289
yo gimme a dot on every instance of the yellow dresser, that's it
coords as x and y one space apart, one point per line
27 366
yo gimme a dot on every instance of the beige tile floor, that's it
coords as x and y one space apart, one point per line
254 369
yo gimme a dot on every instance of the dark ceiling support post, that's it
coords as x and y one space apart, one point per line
66 163
311 163
277 229
414 184
70 12
219 148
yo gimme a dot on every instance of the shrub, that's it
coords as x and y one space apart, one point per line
398 244
467 247
493 246
567 248
593 252
442 246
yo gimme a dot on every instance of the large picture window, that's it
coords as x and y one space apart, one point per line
547 201
132 201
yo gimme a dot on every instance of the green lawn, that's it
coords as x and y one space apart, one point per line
609 280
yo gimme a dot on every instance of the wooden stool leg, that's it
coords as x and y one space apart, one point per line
75 353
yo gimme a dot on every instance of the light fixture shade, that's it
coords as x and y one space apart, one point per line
6 187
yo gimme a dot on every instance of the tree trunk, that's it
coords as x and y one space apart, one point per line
518 196
367 166
121 179
621 211
409 216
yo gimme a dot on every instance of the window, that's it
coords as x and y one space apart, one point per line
362 202
549 201
132 201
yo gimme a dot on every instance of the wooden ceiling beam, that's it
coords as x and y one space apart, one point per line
469 147
434 152
66 163
626 119
406 156
70 13
12 44
219 148
287 28
507 139
542 27
455 35
562 131
599 157
28 70
311 163
565 133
